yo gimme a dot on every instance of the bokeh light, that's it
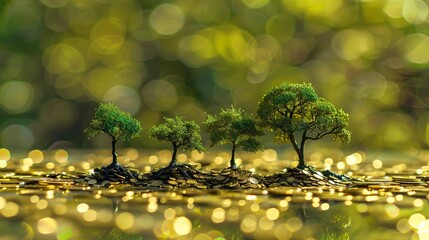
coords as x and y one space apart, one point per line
180 57
182 226
17 136
47 225
16 96
167 19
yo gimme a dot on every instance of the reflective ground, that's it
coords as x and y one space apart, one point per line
39 200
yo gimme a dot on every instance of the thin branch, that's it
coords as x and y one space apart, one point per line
282 113
321 135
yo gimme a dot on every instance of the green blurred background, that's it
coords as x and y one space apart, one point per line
60 58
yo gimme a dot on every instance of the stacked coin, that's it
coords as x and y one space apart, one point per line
233 179
295 177
179 176
104 176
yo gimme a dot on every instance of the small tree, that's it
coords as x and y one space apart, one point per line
296 114
235 127
180 133
119 125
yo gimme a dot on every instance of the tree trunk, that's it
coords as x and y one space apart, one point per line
298 150
232 163
114 154
173 161
301 163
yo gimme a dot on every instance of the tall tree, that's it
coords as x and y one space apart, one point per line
296 114
233 126
119 125
180 133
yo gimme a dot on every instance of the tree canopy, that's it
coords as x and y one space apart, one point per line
119 125
180 133
233 126
110 120
296 114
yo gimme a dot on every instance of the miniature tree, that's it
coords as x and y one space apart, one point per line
296 114
180 133
233 126
119 125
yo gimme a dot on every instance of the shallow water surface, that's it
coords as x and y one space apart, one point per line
39 199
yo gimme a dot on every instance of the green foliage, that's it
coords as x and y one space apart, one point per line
294 112
110 120
233 126
180 133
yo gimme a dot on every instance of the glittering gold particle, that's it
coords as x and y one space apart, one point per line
169 213
202 236
153 159
265 224
377 164
272 213
27 162
3 163
152 207
403 226
10 209
36 155
255 207
218 160
85 165
132 154
233 214
181 158
60 209
251 197
104 215
50 165
392 210
182 226
4 154
34 198
82 207
47 225
415 220
362 207
248 224
418 202
90 215
423 230
269 155
283 232
283 203
324 206
124 220
61 156
295 223
218 215
42 204
341 165
197 155
2 202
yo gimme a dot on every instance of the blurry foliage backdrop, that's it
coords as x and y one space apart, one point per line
60 58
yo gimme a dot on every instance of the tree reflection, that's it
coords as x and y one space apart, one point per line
333 223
